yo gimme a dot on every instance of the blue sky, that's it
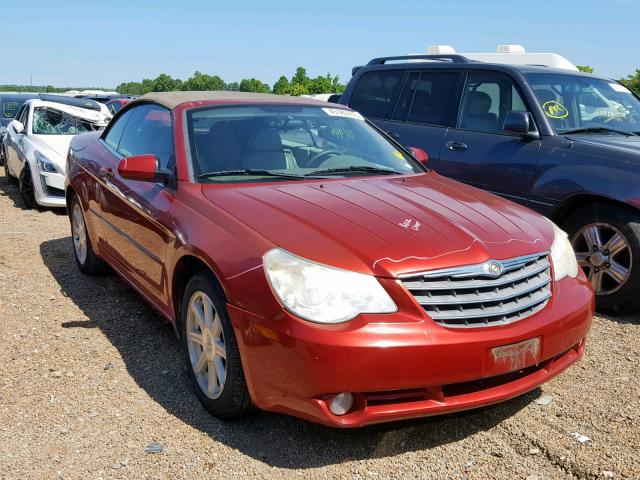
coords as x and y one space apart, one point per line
100 43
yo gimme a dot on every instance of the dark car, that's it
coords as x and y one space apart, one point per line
10 103
562 142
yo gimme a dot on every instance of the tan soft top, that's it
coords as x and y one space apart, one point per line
173 99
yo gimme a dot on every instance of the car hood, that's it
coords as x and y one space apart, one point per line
617 142
54 147
385 226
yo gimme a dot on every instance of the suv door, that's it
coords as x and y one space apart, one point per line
136 213
426 108
478 151
375 95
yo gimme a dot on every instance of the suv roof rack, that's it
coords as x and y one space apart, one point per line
438 58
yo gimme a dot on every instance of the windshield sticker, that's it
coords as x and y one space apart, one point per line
619 88
340 112
555 109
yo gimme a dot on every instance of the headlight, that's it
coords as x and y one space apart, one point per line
44 164
562 255
323 294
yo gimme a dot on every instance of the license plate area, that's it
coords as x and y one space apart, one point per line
512 357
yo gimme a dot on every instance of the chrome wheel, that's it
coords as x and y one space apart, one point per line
207 349
604 254
79 233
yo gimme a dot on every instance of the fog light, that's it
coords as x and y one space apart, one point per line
341 403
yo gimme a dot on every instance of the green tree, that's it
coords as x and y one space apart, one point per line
233 86
282 86
632 82
585 68
253 85
200 82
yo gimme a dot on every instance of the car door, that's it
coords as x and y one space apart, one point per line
136 214
375 95
425 109
15 142
478 151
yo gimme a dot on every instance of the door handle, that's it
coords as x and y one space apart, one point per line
456 146
394 135
106 172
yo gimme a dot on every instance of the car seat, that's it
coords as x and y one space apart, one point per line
476 114
219 149
266 152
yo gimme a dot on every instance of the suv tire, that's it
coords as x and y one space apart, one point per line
606 239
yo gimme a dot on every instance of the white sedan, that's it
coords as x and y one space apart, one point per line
37 142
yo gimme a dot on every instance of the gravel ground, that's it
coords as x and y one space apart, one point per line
90 376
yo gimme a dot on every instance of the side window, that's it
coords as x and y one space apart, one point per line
486 100
24 115
375 94
434 100
406 97
149 132
19 114
114 134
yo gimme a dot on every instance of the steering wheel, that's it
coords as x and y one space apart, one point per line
615 117
315 160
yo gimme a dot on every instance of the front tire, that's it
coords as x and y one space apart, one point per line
211 350
25 186
87 261
606 239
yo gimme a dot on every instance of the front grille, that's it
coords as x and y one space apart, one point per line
479 296
54 192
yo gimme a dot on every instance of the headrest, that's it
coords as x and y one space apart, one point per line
266 140
479 103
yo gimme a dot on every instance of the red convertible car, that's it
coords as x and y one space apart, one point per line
313 266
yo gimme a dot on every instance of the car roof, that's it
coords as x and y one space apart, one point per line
472 64
173 99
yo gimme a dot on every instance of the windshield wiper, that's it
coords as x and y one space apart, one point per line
598 130
249 172
356 168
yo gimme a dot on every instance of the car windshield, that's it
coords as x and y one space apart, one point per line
284 142
573 102
49 121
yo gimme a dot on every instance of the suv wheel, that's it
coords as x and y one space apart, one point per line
86 260
25 185
606 239
211 351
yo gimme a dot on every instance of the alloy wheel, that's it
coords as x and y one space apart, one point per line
207 349
79 233
604 254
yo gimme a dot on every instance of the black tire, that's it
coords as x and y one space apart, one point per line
25 185
610 218
233 401
91 264
11 180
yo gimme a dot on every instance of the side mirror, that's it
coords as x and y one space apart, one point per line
145 168
518 123
419 154
17 126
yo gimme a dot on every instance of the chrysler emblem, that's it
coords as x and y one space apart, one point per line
494 268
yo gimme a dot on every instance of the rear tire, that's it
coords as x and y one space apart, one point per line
606 239
25 185
211 350
87 261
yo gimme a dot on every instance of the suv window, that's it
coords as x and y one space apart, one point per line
375 94
431 98
10 107
487 98
148 132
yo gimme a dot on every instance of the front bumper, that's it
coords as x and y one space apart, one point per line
400 367
49 188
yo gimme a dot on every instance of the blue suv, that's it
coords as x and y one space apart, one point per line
564 143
